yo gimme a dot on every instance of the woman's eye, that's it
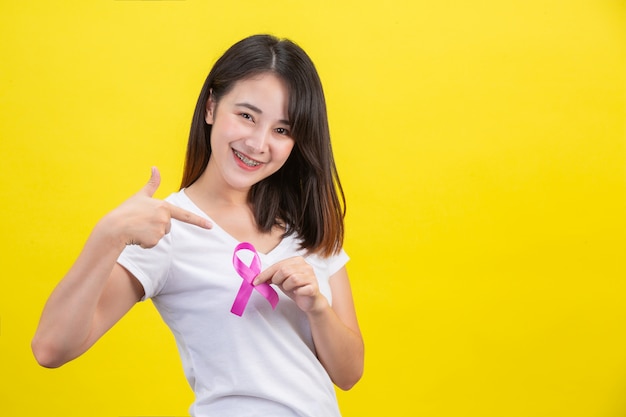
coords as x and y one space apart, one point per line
282 131
246 116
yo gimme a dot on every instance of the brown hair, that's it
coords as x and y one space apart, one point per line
305 193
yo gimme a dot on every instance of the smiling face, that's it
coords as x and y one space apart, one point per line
250 134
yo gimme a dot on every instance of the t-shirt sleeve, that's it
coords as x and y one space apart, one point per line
336 262
149 266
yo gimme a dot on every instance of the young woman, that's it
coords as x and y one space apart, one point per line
259 170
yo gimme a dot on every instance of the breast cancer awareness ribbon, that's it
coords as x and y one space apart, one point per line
249 273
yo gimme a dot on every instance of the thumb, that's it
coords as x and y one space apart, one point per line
153 184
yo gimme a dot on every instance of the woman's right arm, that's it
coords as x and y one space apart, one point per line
96 292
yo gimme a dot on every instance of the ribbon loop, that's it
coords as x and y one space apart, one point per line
249 273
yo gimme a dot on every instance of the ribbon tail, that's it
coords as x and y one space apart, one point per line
241 300
269 293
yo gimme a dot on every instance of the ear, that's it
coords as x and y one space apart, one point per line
210 109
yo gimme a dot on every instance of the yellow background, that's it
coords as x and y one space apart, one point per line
481 145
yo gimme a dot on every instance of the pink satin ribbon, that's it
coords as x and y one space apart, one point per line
249 273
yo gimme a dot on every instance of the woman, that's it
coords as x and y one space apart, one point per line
259 170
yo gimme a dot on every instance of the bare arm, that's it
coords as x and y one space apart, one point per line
96 292
335 328
337 335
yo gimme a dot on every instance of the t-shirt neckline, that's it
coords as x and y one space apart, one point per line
217 227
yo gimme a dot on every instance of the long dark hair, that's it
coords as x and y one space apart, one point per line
305 193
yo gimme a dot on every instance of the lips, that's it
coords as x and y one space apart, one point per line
251 163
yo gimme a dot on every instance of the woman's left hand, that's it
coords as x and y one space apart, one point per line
335 330
296 278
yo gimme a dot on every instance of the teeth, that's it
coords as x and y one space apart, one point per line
249 162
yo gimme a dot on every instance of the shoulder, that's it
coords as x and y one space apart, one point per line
180 199
330 264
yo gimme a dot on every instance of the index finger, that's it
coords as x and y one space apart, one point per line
188 217
267 274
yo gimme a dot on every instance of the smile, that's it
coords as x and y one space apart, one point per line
249 162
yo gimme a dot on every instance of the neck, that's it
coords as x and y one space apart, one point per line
211 187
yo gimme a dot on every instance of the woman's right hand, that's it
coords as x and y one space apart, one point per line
96 292
143 220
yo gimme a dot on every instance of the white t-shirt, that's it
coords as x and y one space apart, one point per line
260 364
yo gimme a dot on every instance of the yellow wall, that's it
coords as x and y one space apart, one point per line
482 149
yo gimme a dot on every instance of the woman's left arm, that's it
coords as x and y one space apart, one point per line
337 336
335 328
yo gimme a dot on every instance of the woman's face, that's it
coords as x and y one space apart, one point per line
250 134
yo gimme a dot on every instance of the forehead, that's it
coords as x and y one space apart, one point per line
265 87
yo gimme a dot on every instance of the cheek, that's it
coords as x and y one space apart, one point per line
285 149
229 127
223 132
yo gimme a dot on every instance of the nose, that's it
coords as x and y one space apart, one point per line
257 141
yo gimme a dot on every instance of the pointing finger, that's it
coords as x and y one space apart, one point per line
188 217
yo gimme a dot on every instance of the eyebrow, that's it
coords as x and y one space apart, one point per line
259 111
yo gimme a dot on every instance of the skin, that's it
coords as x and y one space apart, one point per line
249 122
96 292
